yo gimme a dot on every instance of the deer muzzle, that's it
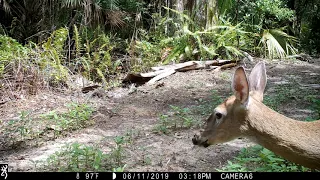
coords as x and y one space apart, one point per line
197 140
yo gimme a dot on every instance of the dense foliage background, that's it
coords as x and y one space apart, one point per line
99 38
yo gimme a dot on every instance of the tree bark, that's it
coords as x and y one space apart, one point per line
212 13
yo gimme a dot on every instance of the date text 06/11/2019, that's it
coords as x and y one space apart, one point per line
145 175
183 175
163 175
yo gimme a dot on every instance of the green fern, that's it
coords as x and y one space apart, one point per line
10 51
101 75
77 41
53 58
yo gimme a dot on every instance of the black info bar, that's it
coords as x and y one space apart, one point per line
157 175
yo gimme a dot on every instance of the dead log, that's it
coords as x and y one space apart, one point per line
161 76
135 78
89 88
166 70
223 67
226 66
190 63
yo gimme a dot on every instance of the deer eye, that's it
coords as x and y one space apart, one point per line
218 115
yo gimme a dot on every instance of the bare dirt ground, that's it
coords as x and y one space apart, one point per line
121 110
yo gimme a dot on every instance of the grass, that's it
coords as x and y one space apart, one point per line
130 135
259 159
282 94
225 76
76 117
315 107
18 130
205 108
289 92
25 128
179 118
78 157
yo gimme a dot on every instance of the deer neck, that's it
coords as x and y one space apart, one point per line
294 140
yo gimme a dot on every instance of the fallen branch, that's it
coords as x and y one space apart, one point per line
223 67
161 76
190 63
161 72
226 66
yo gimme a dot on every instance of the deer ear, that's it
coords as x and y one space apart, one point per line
240 85
258 80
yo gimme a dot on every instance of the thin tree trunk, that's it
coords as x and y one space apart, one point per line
212 13
180 8
168 16
237 11
180 5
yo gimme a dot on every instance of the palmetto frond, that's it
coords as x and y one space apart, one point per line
92 9
277 43
113 5
6 6
115 18
73 3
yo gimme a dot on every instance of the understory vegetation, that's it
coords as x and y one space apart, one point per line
259 159
49 126
102 39
46 45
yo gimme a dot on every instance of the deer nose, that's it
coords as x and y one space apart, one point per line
195 139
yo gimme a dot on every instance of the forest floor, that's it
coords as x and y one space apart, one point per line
138 113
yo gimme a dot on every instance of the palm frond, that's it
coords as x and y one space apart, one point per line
231 51
72 3
113 5
115 18
277 43
286 41
6 6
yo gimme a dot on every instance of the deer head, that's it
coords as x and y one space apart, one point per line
228 120
244 115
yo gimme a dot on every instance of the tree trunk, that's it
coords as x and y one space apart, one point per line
212 13
179 5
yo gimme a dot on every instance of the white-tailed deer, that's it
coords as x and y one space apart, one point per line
244 115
